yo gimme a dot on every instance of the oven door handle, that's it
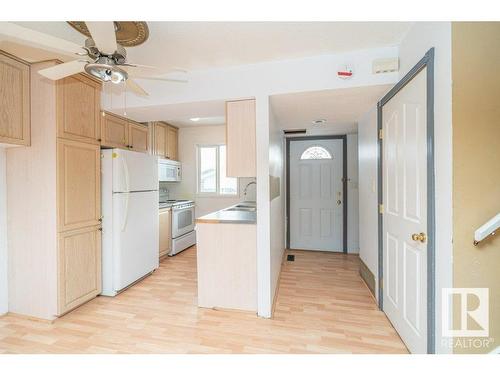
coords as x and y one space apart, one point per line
177 209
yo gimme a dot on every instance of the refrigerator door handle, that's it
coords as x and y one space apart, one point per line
127 177
124 221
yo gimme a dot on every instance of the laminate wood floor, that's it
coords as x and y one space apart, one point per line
323 306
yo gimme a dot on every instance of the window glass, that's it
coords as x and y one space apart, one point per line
212 176
228 185
315 152
208 169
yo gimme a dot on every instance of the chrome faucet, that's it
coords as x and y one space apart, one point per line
246 187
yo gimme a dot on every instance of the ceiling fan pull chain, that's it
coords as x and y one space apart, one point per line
110 94
125 87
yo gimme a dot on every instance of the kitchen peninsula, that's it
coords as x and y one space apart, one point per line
227 258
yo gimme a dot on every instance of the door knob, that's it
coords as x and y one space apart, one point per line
419 237
339 202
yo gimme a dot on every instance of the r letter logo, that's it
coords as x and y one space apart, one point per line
472 319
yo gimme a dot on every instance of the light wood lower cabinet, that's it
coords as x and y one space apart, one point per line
165 220
79 267
78 182
14 101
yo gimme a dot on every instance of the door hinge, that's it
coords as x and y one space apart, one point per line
381 134
380 208
381 283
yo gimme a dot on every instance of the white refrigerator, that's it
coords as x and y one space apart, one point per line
129 191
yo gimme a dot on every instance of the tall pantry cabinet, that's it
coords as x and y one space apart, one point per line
53 198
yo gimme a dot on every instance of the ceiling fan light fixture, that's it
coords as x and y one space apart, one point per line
320 121
106 72
117 77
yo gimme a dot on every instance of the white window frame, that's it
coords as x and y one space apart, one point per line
217 193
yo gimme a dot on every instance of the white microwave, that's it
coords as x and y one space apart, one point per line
169 170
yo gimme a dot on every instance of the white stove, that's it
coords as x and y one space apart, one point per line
176 203
183 233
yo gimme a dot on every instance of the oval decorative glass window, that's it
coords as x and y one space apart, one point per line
316 153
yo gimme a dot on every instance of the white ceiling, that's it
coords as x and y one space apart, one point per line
202 45
341 108
180 115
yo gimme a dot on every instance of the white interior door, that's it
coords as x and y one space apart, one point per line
316 195
404 182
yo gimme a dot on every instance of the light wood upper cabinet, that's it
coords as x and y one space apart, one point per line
240 138
165 141
78 108
165 231
160 135
120 132
114 131
138 137
78 184
172 140
14 101
79 267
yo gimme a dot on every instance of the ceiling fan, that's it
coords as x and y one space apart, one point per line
103 58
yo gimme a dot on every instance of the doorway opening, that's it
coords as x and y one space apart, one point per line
316 193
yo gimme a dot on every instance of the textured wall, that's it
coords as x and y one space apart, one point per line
476 161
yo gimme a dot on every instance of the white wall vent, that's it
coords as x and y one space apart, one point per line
389 65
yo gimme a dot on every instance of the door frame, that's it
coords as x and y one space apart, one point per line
343 137
426 62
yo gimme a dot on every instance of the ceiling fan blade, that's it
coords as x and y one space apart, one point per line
103 34
133 86
177 80
11 32
64 70
173 70
127 65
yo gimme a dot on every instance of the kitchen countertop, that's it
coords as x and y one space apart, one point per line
230 217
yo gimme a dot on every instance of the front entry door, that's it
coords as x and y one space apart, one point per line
316 194
404 186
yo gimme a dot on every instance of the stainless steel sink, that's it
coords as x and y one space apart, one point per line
241 208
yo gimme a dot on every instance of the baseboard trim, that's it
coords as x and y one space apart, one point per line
273 307
27 317
367 276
